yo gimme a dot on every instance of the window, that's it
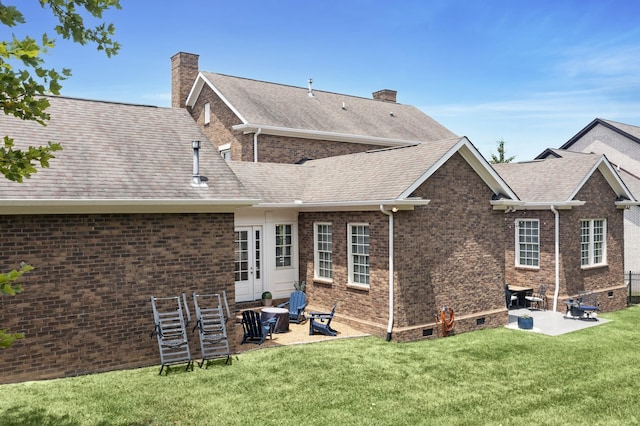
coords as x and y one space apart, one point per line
207 113
358 253
323 266
593 246
283 245
528 243
225 151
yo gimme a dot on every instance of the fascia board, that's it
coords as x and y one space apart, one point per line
538 205
348 205
610 175
320 135
194 94
100 206
473 157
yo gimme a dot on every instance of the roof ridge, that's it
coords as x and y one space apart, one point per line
103 101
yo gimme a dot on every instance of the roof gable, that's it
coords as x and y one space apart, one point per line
281 108
626 130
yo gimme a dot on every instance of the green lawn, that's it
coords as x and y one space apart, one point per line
496 377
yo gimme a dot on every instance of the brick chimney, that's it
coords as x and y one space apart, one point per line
385 95
184 70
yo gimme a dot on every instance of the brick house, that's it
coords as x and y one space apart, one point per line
567 234
621 144
115 219
250 120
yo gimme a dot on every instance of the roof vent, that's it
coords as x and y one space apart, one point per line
197 181
310 93
385 95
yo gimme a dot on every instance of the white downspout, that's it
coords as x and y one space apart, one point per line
255 144
557 238
391 270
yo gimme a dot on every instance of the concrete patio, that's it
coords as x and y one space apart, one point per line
551 323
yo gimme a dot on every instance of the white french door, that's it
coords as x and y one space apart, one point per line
248 265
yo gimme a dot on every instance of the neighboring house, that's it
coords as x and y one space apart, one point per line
621 144
250 120
117 217
567 234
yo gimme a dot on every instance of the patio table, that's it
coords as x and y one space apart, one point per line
280 314
521 293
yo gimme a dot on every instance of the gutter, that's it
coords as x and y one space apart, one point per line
391 268
557 249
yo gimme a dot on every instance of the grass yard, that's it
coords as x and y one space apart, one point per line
494 377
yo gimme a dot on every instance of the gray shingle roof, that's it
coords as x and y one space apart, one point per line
278 105
118 151
368 176
550 180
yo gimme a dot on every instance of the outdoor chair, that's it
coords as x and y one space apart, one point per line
256 331
539 298
297 302
588 303
210 322
511 297
170 329
317 322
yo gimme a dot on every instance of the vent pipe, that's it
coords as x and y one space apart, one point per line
197 181
310 93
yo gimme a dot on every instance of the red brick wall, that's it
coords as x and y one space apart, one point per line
607 280
86 305
447 253
366 309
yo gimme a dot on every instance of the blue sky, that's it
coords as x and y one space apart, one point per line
531 72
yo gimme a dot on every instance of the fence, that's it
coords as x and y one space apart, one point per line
633 281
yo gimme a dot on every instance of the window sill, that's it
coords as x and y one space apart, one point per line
588 267
528 268
358 286
325 281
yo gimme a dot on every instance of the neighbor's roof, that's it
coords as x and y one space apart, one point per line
557 180
627 130
387 176
277 107
127 157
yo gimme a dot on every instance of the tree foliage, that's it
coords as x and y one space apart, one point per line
9 287
25 78
501 158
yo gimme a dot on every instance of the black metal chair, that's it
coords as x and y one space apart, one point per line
539 298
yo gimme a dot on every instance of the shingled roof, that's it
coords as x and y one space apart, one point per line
119 157
281 108
556 180
385 176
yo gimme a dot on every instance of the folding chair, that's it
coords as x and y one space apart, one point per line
171 332
210 323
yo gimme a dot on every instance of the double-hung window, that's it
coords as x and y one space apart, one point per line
323 268
283 245
593 246
358 237
528 243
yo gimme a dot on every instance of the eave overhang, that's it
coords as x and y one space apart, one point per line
128 206
365 205
320 135
510 205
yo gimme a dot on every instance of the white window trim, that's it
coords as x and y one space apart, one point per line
225 149
350 282
591 263
517 243
207 113
291 246
316 253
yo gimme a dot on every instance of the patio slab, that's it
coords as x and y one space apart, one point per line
551 323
